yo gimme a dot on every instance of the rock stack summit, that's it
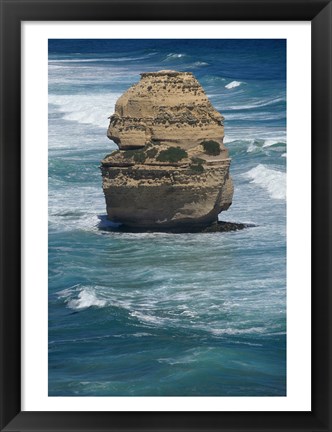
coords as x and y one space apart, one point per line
172 168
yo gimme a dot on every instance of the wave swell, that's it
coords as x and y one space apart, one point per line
273 181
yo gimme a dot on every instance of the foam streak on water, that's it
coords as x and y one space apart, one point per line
93 109
272 180
233 84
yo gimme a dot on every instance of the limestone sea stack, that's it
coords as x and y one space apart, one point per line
172 168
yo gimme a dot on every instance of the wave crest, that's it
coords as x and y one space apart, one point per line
91 109
233 84
79 298
273 181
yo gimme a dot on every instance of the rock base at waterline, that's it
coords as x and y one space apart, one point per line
217 227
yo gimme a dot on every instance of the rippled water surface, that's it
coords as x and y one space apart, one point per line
155 313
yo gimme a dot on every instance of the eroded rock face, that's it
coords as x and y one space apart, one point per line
172 168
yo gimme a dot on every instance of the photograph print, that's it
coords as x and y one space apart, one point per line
167 217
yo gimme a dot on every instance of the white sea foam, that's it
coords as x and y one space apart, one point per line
90 74
284 155
173 56
67 292
271 180
75 211
233 84
251 148
254 116
201 63
86 109
188 313
255 133
96 60
85 297
181 360
271 142
141 334
150 319
235 331
86 222
261 145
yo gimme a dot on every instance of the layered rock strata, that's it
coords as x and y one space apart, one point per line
172 168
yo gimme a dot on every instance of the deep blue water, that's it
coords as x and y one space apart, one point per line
167 314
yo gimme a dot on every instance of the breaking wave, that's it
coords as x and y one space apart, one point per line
233 84
175 56
86 109
79 298
273 181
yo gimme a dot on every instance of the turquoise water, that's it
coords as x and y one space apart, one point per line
157 314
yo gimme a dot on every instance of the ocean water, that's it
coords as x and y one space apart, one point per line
156 314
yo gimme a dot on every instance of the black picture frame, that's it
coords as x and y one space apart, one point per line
13 12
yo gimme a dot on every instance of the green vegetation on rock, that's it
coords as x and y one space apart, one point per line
151 153
115 152
197 168
211 147
127 154
197 161
172 154
197 165
138 155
